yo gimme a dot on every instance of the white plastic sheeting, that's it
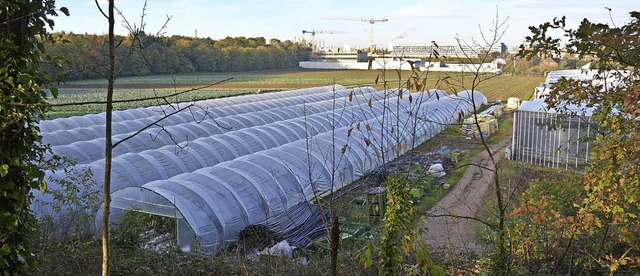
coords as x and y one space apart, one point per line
161 161
608 79
188 126
81 128
136 168
214 203
472 96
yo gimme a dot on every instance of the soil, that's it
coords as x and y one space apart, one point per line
447 231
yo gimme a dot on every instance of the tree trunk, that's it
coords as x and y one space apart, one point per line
108 146
334 242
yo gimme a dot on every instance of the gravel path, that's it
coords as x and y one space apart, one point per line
453 234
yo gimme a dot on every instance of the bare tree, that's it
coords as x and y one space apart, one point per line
109 144
489 42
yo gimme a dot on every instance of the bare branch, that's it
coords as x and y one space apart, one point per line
100 9
475 165
139 99
164 26
489 224
154 123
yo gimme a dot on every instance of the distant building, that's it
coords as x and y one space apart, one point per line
446 50
488 67
336 55
503 49
402 56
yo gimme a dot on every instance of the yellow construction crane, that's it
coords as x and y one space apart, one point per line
370 20
313 37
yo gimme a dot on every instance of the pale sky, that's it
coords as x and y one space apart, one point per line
410 21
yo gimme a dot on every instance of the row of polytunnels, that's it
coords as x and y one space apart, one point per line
220 165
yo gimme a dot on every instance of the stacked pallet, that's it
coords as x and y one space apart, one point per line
488 125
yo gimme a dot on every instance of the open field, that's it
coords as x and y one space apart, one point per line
494 87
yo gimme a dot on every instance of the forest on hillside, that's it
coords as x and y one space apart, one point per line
143 54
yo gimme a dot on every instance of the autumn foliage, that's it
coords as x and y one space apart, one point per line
601 232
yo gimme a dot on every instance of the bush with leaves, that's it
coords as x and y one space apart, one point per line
609 211
22 31
542 227
397 240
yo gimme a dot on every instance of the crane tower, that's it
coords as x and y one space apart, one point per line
313 37
371 22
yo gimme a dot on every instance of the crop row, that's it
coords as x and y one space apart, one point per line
494 87
82 97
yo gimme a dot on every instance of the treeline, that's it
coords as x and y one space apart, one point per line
151 55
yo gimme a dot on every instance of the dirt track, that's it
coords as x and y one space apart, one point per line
446 232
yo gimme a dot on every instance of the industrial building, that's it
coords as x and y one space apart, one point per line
421 55
446 50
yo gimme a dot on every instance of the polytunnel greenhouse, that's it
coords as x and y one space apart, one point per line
214 203
248 160
152 154
604 78
135 114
